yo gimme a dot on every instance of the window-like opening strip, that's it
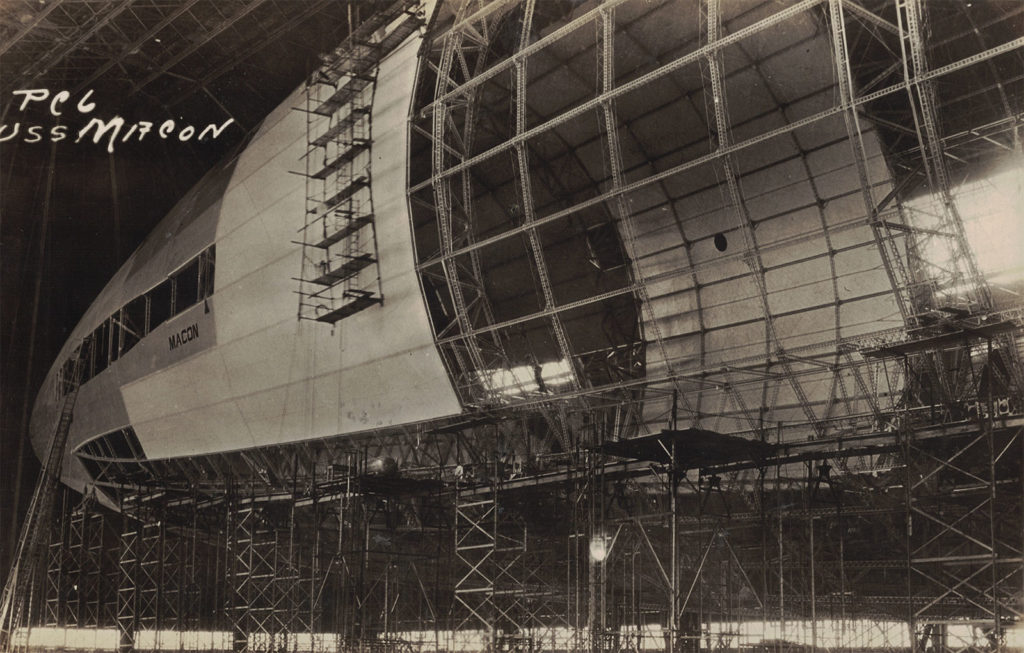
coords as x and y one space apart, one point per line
115 336
101 340
186 287
119 333
134 322
160 304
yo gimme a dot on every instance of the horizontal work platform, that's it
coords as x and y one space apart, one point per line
346 270
340 126
345 156
966 332
359 80
347 191
351 225
359 301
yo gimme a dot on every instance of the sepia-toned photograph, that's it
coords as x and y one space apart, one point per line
512 326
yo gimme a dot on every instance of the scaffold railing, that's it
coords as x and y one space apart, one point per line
340 273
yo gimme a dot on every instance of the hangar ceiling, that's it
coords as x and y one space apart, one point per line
179 56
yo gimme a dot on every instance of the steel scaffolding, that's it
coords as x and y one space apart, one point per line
270 603
606 514
30 556
340 271
789 537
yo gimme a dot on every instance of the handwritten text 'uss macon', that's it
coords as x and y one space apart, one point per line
115 129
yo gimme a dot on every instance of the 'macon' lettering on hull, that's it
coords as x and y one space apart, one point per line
187 334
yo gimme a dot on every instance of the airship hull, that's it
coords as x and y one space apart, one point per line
540 235
238 369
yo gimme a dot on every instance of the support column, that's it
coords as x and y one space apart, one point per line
55 600
127 590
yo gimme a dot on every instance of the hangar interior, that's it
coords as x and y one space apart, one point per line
729 294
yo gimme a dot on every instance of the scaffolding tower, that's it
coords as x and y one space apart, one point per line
31 552
340 258
340 274
81 572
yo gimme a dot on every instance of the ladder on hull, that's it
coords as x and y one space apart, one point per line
31 548
340 263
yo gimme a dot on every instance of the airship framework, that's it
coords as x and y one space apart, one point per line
527 326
